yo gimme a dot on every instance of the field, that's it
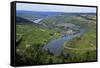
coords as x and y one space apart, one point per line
31 38
82 47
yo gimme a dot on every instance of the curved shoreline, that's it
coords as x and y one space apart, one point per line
55 46
79 49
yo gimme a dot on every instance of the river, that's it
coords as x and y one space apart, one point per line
55 46
38 20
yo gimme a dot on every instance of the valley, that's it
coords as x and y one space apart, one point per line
55 37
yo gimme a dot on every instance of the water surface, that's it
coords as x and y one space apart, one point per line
55 46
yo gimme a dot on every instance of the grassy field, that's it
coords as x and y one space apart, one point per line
33 35
82 47
31 38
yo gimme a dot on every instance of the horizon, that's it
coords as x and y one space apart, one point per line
54 11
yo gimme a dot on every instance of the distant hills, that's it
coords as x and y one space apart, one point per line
43 14
22 20
37 13
23 16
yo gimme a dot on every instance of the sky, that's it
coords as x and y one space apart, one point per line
54 8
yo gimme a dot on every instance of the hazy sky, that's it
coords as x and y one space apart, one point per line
53 8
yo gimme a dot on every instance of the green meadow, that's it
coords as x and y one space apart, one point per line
31 38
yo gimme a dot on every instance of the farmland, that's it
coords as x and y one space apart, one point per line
55 38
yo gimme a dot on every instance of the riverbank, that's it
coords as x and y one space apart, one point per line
55 46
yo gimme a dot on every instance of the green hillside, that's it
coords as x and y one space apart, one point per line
31 38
